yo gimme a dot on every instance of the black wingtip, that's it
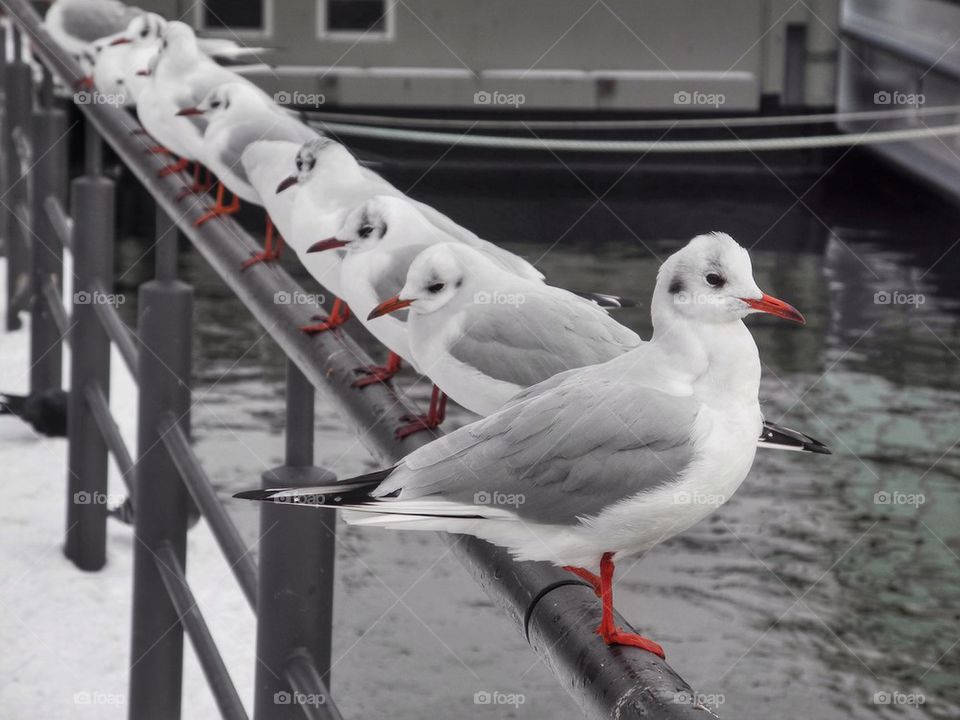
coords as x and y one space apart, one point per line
606 300
776 433
815 446
255 494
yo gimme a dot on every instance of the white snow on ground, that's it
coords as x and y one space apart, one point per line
64 633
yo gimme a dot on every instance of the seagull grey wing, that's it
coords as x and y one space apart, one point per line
95 19
541 335
445 224
565 454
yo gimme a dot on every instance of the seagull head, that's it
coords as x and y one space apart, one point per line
306 161
435 277
710 280
143 30
178 48
363 229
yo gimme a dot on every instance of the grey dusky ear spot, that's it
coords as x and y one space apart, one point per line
676 286
383 229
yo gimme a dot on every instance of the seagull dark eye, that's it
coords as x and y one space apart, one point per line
435 288
299 164
714 280
365 231
215 104
144 32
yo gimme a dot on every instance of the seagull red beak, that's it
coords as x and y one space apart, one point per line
289 182
770 304
121 41
143 73
389 306
328 244
187 112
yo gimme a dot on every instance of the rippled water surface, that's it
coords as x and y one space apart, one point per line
824 581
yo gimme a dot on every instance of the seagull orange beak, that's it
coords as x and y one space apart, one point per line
190 111
328 244
770 304
289 182
121 41
388 306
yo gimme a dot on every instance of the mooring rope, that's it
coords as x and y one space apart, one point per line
640 146
615 124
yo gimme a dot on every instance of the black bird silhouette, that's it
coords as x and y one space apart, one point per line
46 411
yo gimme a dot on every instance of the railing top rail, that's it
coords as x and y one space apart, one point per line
624 681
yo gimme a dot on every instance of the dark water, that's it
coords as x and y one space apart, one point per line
807 594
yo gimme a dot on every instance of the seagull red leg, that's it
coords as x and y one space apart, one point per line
379 373
271 250
587 576
197 187
435 416
611 634
339 314
178 166
219 209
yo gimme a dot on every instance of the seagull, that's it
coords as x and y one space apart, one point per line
239 115
75 24
117 57
331 183
380 238
266 164
483 335
599 464
181 77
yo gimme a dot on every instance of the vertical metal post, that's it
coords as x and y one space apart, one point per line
93 210
4 183
166 330
295 588
18 101
50 179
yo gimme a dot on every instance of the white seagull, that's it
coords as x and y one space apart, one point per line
75 24
239 115
483 335
331 183
380 238
181 77
118 57
602 463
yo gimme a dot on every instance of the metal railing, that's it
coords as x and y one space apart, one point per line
555 611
